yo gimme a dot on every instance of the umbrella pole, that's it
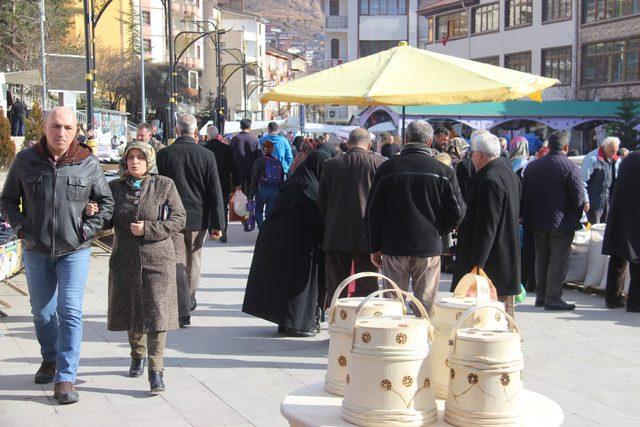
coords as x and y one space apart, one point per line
403 123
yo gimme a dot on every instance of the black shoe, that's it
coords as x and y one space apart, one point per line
65 393
617 303
282 329
184 321
223 239
155 382
137 368
633 309
46 372
296 333
539 303
194 306
560 306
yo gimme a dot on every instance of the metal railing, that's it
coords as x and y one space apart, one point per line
337 22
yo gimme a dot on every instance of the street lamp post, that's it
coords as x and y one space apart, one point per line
88 36
43 58
172 73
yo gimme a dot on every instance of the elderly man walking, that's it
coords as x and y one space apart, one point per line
599 170
344 186
488 237
53 182
414 200
552 208
193 169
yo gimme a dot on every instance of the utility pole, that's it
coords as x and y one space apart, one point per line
172 74
143 101
43 59
88 36
220 112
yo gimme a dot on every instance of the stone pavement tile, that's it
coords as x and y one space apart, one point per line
168 422
202 415
27 419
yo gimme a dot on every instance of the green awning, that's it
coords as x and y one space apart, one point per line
530 109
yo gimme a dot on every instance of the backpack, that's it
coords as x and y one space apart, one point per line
273 172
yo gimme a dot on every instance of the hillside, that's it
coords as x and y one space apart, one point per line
304 16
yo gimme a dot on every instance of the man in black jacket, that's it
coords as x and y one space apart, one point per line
489 236
344 186
246 149
413 201
18 116
44 197
553 202
227 170
193 169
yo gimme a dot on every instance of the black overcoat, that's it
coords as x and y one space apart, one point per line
489 234
622 235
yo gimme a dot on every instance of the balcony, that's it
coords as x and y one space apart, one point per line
337 23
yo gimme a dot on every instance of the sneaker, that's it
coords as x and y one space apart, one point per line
46 372
560 306
65 393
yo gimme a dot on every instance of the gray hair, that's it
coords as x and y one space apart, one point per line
487 144
359 136
212 131
419 131
186 125
610 140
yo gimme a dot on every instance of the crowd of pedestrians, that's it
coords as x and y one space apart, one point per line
324 211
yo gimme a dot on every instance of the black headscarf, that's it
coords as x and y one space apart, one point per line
303 184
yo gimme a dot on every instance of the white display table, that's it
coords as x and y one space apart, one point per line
311 406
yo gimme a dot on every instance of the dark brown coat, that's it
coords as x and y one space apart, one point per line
142 270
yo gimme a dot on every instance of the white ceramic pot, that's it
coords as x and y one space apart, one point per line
389 375
447 311
485 377
341 320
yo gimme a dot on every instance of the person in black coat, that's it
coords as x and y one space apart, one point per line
227 170
194 171
622 236
286 282
18 115
489 234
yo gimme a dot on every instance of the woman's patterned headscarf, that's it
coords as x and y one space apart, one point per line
149 153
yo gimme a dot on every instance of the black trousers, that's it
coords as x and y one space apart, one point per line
552 260
598 216
616 278
338 268
529 260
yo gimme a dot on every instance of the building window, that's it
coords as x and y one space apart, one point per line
451 26
611 62
520 61
555 10
430 31
601 10
485 19
146 45
370 47
383 7
556 63
334 7
335 49
518 13
198 52
491 60
146 17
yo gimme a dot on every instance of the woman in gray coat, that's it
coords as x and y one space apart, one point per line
142 275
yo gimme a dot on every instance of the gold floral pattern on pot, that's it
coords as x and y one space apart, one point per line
385 385
452 373
348 379
343 314
407 381
505 379
401 338
472 378
342 361
498 317
377 314
427 383
458 314
366 337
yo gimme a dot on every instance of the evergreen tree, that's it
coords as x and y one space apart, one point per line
628 115
7 147
34 124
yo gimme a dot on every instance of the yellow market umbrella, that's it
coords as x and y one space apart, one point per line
404 76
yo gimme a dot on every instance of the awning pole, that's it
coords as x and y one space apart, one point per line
404 117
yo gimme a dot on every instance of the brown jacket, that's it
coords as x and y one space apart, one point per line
344 186
142 270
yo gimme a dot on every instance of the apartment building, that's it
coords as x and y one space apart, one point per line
534 36
357 28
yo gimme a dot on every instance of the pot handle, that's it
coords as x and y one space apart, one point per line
350 279
513 326
483 287
407 295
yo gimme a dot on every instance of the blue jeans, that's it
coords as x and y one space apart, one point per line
265 198
56 289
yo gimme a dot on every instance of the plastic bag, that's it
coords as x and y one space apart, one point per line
520 298
250 223
232 214
240 204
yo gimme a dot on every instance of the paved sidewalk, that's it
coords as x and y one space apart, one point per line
233 369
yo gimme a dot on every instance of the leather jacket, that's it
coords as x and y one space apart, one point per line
53 198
